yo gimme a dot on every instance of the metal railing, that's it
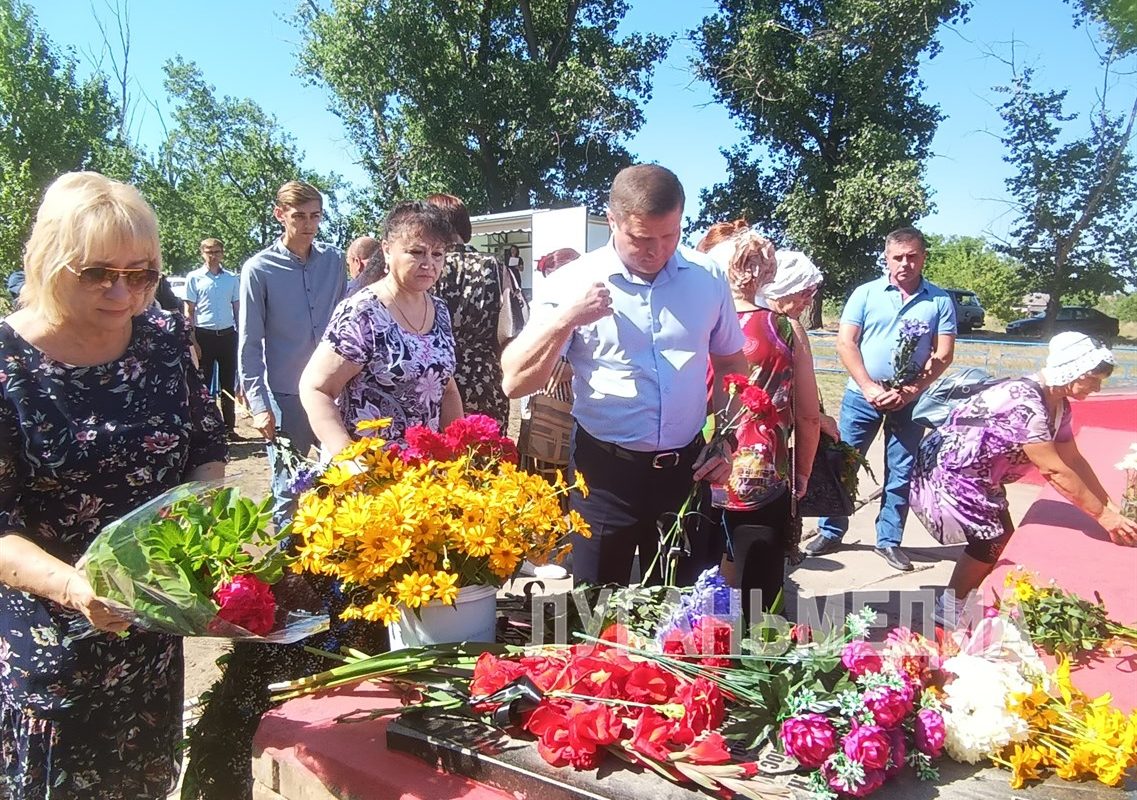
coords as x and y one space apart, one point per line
1000 357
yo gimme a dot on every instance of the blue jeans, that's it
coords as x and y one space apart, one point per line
859 424
291 421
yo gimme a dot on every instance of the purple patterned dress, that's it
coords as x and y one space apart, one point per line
961 469
97 717
404 374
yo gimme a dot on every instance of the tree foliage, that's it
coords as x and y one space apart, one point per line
50 123
970 262
508 103
218 171
1075 227
829 92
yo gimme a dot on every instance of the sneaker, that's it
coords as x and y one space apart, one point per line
947 610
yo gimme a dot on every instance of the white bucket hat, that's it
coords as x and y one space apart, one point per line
1071 356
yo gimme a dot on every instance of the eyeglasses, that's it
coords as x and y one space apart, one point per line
136 280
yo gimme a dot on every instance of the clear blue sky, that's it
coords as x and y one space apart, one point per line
247 49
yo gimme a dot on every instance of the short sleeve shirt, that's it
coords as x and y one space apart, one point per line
639 374
403 375
878 309
213 297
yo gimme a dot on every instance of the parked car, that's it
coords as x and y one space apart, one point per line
1085 320
178 284
969 312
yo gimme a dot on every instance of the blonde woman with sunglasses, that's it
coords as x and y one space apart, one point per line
100 411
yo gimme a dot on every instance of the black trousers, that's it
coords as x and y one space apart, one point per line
628 499
220 348
758 542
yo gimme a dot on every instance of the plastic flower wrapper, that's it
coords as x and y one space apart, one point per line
198 560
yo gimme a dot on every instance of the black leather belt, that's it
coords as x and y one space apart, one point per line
662 459
215 333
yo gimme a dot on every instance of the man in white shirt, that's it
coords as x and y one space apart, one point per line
212 295
638 321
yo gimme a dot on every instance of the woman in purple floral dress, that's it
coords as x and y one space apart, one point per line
388 352
101 410
995 438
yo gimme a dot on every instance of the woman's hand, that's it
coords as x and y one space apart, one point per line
1121 530
79 596
829 427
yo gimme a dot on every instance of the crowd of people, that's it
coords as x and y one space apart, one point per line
103 406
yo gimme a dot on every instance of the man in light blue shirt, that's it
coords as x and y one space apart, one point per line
638 320
288 293
872 326
212 295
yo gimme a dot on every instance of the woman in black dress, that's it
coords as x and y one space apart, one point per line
471 286
101 410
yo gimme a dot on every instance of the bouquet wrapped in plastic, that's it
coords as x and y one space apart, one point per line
199 560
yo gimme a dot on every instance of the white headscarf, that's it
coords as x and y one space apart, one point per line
795 274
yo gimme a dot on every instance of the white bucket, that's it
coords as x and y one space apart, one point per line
472 618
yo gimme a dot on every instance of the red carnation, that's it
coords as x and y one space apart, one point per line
423 444
247 602
492 673
757 402
734 383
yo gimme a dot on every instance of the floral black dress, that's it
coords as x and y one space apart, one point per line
471 287
96 717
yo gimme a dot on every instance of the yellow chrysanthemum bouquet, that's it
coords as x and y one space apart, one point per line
402 526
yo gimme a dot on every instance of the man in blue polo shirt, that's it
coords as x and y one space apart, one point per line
637 320
870 331
212 295
288 293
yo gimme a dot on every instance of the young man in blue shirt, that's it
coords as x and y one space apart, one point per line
288 293
869 333
212 295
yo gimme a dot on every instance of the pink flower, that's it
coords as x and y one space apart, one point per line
930 732
809 739
860 657
889 706
874 779
247 602
870 745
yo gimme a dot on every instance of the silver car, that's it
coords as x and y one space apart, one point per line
969 312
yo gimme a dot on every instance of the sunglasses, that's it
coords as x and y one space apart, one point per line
105 277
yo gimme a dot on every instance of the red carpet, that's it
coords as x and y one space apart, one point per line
346 757
1059 542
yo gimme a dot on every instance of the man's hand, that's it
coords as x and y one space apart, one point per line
265 422
713 463
593 305
875 393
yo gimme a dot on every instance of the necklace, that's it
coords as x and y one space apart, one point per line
406 318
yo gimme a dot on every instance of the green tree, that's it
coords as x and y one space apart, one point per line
217 172
1075 229
970 262
508 104
829 93
50 123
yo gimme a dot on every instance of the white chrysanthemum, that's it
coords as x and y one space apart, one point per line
978 722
